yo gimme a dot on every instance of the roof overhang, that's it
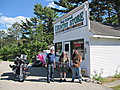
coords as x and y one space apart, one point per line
103 36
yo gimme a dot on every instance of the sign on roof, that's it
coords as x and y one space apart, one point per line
75 18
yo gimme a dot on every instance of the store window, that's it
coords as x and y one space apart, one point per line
79 46
58 48
66 47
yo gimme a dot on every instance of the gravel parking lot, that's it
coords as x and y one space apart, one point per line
37 81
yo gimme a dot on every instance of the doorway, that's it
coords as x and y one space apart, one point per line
67 49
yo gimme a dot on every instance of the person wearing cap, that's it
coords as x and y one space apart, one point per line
50 65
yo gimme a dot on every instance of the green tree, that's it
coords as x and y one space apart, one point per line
68 5
113 20
15 31
97 10
116 6
104 11
2 35
9 52
110 13
9 39
96 7
46 17
33 35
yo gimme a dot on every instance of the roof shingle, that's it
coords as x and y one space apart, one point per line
101 29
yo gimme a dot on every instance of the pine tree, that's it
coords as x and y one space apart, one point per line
105 11
109 12
46 17
2 35
116 6
68 5
97 10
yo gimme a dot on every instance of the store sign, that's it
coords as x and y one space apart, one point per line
74 20
78 44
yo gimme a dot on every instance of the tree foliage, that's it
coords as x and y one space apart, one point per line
29 37
68 5
8 52
46 16
105 11
2 35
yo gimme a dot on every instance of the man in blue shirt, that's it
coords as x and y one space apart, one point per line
50 66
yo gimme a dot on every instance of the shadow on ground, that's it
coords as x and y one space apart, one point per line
41 71
34 71
8 76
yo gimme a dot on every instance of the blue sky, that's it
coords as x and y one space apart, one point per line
12 11
16 10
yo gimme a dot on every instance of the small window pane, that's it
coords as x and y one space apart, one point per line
66 47
58 48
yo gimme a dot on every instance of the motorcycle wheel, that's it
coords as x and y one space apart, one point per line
22 79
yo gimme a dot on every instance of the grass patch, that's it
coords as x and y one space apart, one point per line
1 60
116 87
110 79
10 60
117 76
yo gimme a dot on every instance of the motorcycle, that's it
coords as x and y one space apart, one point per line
20 68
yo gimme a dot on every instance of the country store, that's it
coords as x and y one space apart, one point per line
98 44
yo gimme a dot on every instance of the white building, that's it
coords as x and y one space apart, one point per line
99 44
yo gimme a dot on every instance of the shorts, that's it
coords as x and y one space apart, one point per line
63 68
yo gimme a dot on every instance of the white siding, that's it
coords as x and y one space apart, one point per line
104 56
72 34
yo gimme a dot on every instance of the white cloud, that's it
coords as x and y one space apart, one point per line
8 21
8 25
0 13
52 4
61 8
6 31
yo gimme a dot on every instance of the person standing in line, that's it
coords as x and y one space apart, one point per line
76 69
50 66
64 63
